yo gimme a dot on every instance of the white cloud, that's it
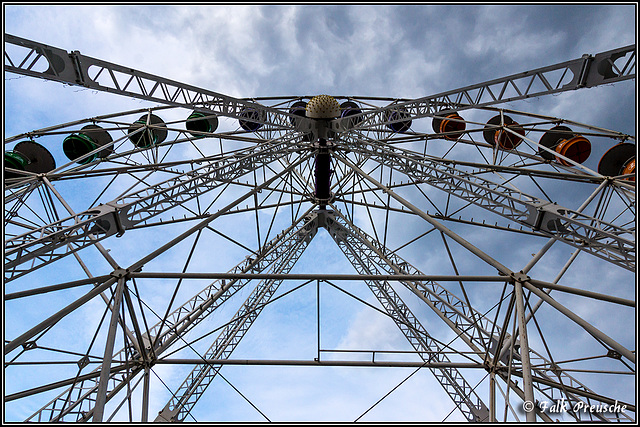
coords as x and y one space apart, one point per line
498 34
372 330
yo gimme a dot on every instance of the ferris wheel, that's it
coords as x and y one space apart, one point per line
499 243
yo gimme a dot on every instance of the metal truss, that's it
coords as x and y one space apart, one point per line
277 168
76 69
362 257
196 383
77 403
478 332
59 239
370 258
588 71
605 240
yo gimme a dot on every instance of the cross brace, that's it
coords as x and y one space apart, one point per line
61 238
365 252
201 376
608 241
364 257
164 333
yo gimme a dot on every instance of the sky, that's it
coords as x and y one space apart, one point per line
406 51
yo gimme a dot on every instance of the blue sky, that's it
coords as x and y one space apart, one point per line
405 51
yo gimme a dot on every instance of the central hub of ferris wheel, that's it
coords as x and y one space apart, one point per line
322 108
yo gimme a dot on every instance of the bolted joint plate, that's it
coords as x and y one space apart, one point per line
324 215
110 219
167 415
546 216
309 230
519 277
120 273
605 67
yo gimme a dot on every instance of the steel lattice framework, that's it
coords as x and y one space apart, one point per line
129 226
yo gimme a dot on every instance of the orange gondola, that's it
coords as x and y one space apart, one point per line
563 141
495 134
450 124
619 160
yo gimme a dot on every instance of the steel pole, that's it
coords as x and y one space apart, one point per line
524 351
101 395
319 363
53 319
145 395
492 397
